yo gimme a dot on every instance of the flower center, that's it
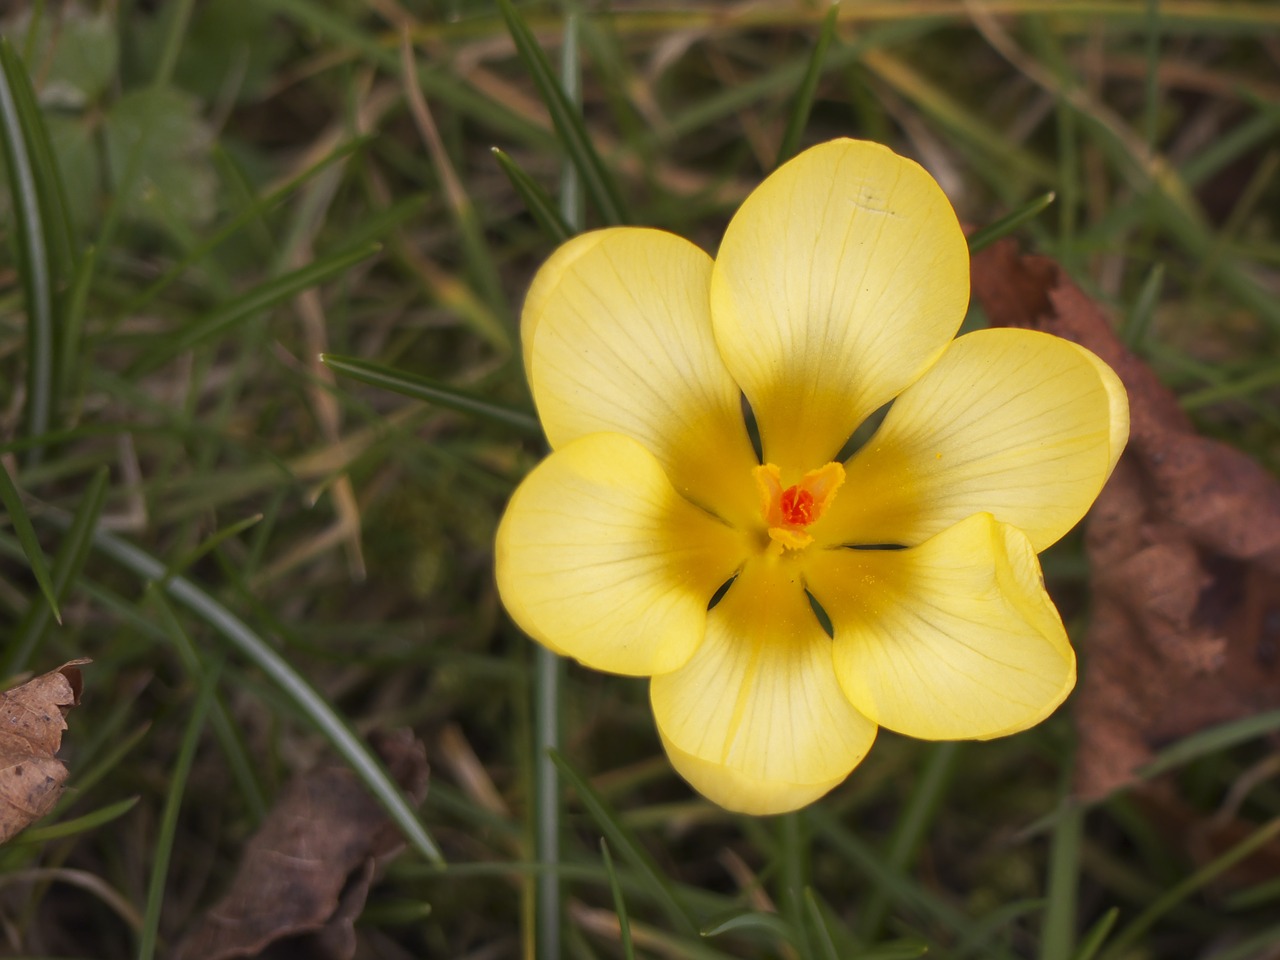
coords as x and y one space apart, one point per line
797 506
786 512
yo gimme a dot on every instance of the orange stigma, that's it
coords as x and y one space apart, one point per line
786 512
797 506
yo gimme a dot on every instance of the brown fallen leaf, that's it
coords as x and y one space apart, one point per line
1184 549
304 876
32 718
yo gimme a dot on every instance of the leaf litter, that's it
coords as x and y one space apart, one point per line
1183 546
32 718
305 873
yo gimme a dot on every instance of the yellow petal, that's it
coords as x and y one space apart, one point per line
601 559
1016 423
755 721
617 337
1118 403
953 639
839 281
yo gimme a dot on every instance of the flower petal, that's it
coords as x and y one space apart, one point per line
600 558
840 280
1118 404
1017 423
617 337
953 639
755 720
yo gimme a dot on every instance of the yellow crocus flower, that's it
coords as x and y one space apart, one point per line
839 287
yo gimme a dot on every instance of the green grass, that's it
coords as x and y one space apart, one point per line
267 555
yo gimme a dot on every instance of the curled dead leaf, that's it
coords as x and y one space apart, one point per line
32 718
305 873
1184 551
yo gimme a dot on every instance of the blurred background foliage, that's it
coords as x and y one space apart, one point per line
206 196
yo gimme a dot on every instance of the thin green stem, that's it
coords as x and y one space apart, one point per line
549 668
793 855
547 679
1057 941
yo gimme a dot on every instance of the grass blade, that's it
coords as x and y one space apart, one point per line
476 251
799 114
536 200
169 819
339 26
179 14
1223 150
1007 224
913 823
902 892
621 837
88 778
305 697
793 877
1182 890
67 564
596 179
32 244
51 192
259 298
705 112
754 920
818 921
250 214
430 391
619 902
1057 939
1211 741
26 535
1151 85
1135 326
73 322
188 560
994 926
69 828
233 748
1097 935
548 807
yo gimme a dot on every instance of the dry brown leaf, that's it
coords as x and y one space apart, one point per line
32 718
1184 548
305 874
